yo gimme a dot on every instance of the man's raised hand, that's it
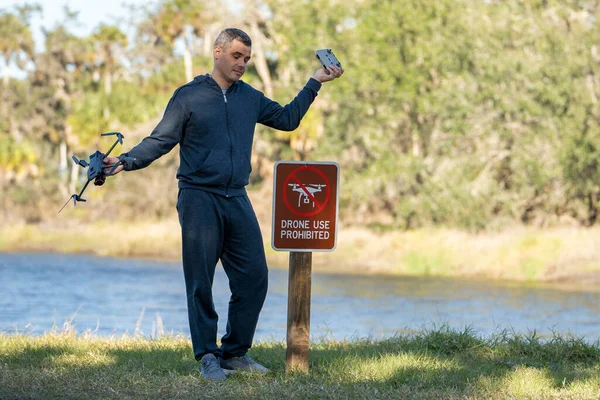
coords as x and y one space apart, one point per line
322 76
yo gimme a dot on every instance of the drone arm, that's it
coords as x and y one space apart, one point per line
113 146
78 198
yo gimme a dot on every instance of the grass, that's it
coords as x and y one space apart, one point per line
434 364
520 254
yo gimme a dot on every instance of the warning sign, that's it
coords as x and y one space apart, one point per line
305 206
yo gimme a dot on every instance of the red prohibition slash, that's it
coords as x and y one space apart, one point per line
320 206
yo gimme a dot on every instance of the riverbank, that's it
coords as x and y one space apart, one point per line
434 364
558 255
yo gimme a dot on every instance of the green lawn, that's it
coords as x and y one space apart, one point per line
436 364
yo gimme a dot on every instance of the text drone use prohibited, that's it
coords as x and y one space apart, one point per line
96 168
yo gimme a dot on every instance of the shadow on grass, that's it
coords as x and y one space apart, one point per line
445 358
432 364
166 355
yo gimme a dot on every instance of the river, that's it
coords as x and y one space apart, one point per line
112 296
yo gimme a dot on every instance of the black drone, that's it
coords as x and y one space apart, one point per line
96 168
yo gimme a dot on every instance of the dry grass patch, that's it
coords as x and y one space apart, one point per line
519 254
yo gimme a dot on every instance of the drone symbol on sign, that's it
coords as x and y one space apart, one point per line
303 196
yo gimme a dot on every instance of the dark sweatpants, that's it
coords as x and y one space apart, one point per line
215 227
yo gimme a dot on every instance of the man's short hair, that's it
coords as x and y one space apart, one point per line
229 35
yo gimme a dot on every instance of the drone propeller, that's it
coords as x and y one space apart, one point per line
75 198
83 163
119 140
118 134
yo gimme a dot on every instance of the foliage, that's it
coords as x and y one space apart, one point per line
475 115
16 42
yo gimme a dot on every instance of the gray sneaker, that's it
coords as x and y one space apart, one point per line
243 363
211 369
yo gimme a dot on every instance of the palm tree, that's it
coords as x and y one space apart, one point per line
16 42
258 27
55 79
185 19
109 43
16 46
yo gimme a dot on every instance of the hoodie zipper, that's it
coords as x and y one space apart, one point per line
230 144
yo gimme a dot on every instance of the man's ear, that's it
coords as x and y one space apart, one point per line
217 52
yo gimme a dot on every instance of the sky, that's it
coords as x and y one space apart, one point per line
91 14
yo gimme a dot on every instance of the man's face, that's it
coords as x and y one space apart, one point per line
232 60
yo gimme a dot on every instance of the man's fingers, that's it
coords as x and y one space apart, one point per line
328 73
108 168
336 71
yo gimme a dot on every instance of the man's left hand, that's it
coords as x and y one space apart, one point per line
108 164
322 76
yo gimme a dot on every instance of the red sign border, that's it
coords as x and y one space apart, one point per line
337 204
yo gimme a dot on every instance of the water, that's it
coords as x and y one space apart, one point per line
113 296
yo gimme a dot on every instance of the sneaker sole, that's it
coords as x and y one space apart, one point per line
229 371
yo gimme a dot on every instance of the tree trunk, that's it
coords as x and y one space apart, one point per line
4 98
593 208
74 177
62 169
187 61
69 140
5 75
260 60
107 92
207 44
12 129
589 82
416 144
62 162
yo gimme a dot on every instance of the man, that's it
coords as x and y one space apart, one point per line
213 120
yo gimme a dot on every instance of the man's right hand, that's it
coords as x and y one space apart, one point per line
109 162
322 75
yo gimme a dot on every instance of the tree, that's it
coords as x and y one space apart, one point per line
16 42
16 46
255 20
55 85
185 20
109 44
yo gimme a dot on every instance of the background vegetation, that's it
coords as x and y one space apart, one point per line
474 115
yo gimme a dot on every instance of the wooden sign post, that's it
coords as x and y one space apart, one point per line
298 318
305 208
